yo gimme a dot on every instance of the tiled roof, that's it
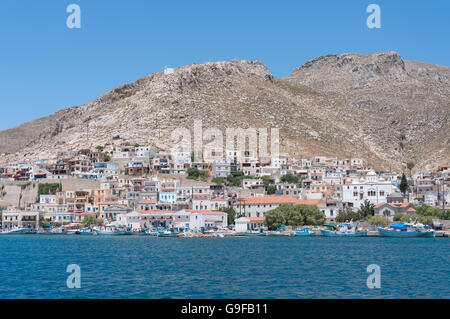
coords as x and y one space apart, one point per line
277 200
156 211
204 211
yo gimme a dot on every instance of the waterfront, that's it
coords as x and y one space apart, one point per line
244 267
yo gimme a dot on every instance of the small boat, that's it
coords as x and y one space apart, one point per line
304 231
85 231
344 230
51 231
257 232
17 231
168 233
110 231
280 233
407 230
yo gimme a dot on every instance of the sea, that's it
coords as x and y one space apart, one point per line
74 266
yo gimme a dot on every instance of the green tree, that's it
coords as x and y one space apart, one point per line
231 215
89 220
379 220
347 214
403 185
367 209
275 218
293 216
218 180
193 173
289 178
410 165
235 178
49 188
271 189
203 175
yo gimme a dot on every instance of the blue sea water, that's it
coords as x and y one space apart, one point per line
34 266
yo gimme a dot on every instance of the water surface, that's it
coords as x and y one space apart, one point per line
34 266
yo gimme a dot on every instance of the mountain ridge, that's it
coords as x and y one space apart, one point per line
375 106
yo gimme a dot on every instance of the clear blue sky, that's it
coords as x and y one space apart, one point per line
45 66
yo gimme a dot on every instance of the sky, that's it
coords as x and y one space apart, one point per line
46 66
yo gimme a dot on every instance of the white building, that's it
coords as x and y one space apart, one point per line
371 187
245 224
198 219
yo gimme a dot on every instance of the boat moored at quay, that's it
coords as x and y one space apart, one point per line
17 231
344 230
407 230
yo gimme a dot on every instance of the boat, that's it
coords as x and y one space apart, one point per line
168 233
256 232
16 231
85 231
280 233
51 231
407 230
110 231
344 230
304 231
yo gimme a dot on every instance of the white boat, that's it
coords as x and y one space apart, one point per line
110 231
16 231
344 230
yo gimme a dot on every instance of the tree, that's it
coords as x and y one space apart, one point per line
410 165
403 184
89 220
235 178
275 218
348 214
367 209
231 215
379 220
49 188
289 178
193 173
271 189
218 180
203 175
294 215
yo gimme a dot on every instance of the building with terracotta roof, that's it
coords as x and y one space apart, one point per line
258 206
390 210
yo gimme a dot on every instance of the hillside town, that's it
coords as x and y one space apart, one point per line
143 188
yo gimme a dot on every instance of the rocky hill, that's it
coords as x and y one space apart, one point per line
376 106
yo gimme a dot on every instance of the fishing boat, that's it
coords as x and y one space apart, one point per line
85 231
256 232
168 233
304 231
51 231
407 230
16 231
344 230
110 231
